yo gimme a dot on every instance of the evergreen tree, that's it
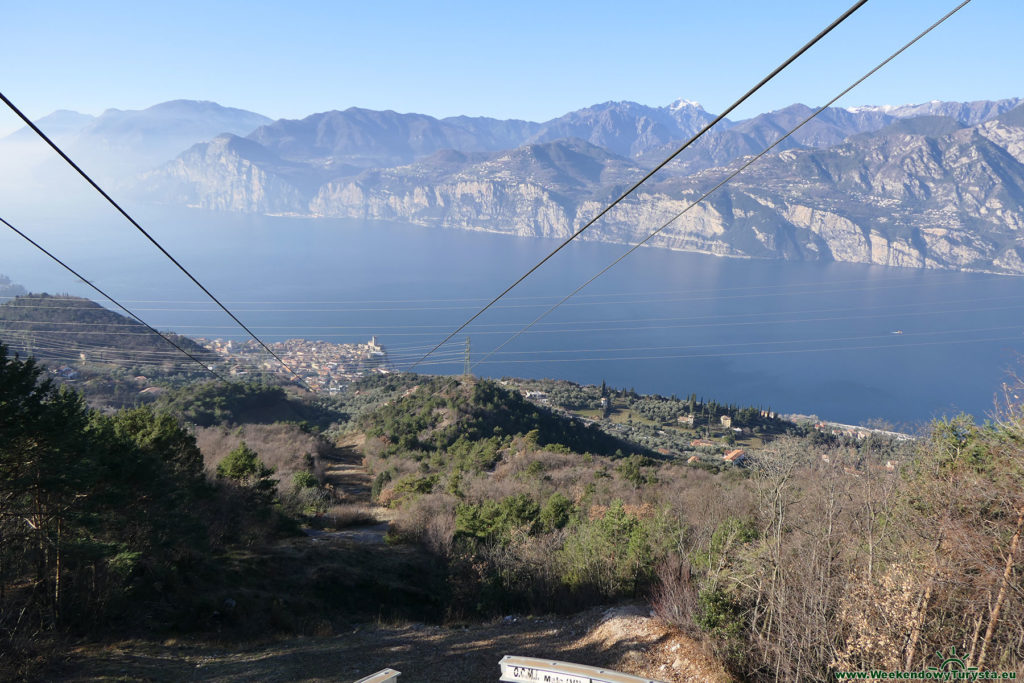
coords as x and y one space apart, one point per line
244 466
41 470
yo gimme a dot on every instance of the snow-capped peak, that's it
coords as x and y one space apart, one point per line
684 104
867 108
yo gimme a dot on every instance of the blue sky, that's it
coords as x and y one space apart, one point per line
531 60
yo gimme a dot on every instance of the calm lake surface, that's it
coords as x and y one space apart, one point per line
846 342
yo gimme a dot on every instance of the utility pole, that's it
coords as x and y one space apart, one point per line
468 367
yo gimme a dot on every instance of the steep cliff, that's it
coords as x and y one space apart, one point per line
935 186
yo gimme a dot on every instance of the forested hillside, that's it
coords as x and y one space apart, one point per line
825 552
113 525
819 550
108 521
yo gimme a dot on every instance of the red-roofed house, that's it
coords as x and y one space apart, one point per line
735 457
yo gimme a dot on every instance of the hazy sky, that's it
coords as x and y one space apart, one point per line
529 59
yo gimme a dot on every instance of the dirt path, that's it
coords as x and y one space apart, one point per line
345 472
622 639
347 477
370 533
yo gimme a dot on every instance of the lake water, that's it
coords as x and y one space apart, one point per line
846 342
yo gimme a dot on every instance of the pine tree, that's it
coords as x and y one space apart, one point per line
244 466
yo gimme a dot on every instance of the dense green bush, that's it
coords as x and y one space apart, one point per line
616 553
497 521
481 417
244 467
719 614
304 480
556 513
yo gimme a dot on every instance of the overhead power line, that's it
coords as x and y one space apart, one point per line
479 300
139 227
732 175
718 350
775 318
603 300
114 301
770 352
828 29
901 338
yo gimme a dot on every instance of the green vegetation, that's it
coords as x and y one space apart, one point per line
209 403
616 553
825 551
102 512
653 421
244 467
109 524
828 551
435 419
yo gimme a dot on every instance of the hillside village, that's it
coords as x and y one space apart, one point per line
323 366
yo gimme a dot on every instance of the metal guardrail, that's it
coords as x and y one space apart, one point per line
381 676
534 670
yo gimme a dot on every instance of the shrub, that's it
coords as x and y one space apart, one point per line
534 469
382 479
342 516
556 512
243 465
430 521
415 485
675 595
719 614
496 521
615 553
312 500
731 533
304 480
283 447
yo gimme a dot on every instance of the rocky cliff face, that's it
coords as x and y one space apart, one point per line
230 174
524 209
943 189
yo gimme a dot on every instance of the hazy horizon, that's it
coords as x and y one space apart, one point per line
535 63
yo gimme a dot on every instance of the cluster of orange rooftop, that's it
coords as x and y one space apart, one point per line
323 366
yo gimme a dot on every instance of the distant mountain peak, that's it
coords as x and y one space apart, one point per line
867 108
61 122
967 113
685 104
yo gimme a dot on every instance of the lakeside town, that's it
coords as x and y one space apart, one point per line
323 366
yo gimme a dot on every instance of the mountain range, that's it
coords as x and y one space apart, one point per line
936 185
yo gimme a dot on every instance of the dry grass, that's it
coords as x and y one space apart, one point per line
429 519
345 516
285 447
